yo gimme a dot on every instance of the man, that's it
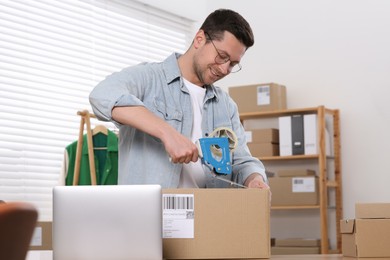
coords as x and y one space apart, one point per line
163 108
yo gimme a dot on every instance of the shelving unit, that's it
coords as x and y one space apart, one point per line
325 182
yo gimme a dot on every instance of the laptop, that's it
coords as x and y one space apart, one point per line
118 222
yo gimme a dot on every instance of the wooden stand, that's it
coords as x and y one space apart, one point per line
85 119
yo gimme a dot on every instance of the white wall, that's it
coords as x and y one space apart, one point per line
334 53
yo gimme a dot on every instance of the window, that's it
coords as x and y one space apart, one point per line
52 53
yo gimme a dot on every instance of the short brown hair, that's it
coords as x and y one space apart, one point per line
222 20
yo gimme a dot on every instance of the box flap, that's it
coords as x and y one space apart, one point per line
372 210
347 226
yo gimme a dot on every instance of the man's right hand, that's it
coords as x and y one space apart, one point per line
179 148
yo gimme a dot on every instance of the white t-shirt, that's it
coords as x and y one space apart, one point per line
193 175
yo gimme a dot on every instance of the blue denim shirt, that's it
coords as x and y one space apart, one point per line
159 87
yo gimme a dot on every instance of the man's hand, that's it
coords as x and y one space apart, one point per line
179 148
255 180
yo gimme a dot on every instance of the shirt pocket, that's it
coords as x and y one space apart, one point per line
169 113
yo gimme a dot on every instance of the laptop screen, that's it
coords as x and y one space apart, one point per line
107 222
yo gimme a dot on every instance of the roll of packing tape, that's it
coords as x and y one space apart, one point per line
224 132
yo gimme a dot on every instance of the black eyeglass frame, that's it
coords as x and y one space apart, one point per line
219 59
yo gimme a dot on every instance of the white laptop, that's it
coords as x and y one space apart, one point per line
105 222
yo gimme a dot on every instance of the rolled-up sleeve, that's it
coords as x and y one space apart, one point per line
124 88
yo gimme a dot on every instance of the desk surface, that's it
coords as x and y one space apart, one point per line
48 255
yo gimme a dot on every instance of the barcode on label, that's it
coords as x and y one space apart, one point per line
178 201
298 181
263 90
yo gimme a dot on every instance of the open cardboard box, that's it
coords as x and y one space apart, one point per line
224 224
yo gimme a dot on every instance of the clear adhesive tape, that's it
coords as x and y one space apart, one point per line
224 132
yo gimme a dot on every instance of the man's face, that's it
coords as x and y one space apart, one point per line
216 59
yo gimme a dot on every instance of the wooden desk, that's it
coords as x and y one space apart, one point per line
48 255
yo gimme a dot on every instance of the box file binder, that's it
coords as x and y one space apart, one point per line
285 143
297 134
310 130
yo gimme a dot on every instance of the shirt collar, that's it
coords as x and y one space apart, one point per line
171 67
172 72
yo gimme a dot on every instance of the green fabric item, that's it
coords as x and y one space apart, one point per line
106 161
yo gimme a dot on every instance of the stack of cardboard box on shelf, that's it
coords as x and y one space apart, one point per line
263 142
261 98
298 134
297 187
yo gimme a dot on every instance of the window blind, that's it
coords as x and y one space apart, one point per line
52 53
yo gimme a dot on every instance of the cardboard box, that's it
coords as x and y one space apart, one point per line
259 97
295 173
298 242
365 237
263 149
372 210
294 191
368 234
291 250
268 135
225 223
42 237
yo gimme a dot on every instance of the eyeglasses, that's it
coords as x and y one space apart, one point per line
222 59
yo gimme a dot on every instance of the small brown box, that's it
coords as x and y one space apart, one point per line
259 97
263 149
269 135
42 237
294 191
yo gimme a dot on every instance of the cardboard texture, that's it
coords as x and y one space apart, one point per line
228 224
368 234
372 210
293 246
259 97
366 237
42 237
295 172
267 135
298 242
290 250
294 191
263 149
